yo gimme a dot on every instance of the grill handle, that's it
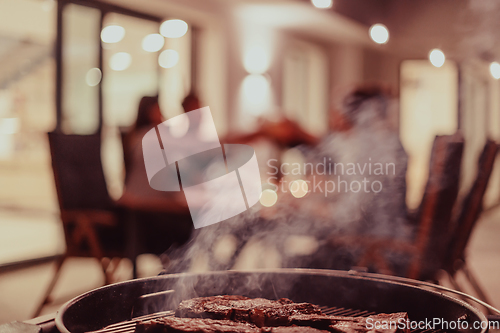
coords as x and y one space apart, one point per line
490 308
46 323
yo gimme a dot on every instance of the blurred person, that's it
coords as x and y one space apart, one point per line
362 137
367 183
162 211
148 115
360 133
191 102
284 132
163 217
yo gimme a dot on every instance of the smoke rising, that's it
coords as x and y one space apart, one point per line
298 232
309 232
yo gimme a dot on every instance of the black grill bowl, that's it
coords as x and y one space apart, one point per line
116 303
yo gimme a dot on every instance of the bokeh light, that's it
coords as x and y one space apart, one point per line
93 77
48 5
256 88
495 70
437 57
322 3
379 33
112 34
256 60
268 198
173 28
168 58
9 125
153 43
120 61
299 188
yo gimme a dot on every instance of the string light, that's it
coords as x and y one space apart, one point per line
379 33
268 198
168 58
495 70
112 34
153 43
322 4
120 61
173 28
437 57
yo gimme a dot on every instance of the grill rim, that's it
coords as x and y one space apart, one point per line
59 320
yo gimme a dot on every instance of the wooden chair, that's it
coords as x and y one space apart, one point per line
434 216
470 211
91 221
427 252
127 154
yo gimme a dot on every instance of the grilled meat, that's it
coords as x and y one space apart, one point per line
381 323
198 325
226 314
291 329
387 322
259 311
319 321
194 325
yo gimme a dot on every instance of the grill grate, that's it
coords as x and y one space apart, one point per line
333 311
129 326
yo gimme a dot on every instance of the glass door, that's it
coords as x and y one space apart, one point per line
81 73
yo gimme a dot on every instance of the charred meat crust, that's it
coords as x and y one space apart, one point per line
291 329
198 325
381 323
228 313
178 325
259 311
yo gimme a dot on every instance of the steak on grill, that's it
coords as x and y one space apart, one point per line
194 325
226 314
198 325
259 311
386 323
291 329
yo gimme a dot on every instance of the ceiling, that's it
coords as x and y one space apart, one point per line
461 28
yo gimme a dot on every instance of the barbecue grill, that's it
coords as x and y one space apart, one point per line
116 308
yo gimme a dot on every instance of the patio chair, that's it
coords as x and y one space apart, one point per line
92 223
471 209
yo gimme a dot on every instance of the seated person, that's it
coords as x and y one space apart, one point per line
191 102
164 217
369 153
165 214
360 136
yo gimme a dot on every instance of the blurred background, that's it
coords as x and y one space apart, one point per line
81 67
